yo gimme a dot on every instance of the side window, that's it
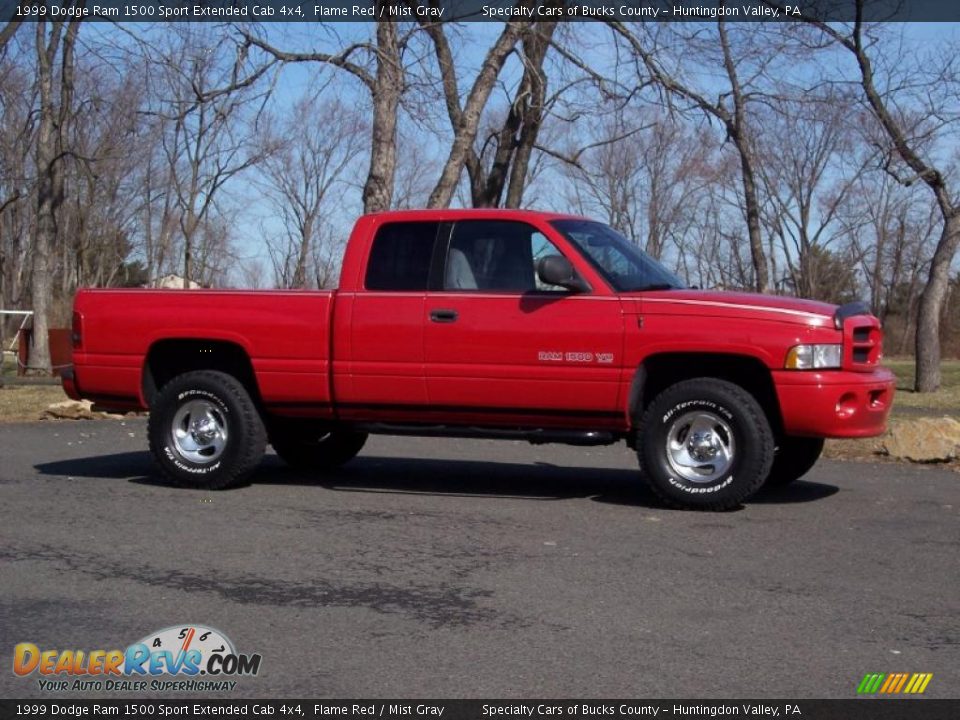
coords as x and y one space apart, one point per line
400 256
496 255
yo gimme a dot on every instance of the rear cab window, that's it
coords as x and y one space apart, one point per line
401 256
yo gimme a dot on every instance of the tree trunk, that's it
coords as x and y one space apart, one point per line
752 206
932 300
740 135
465 132
41 284
388 86
935 290
535 47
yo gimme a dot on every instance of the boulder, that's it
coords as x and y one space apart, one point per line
76 410
924 439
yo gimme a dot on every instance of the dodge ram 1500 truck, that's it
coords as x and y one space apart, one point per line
488 323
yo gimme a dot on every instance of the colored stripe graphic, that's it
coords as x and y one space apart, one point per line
918 683
894 683
870 683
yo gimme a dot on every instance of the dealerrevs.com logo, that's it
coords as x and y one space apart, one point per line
177 658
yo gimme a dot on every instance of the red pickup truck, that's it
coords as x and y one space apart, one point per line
488 323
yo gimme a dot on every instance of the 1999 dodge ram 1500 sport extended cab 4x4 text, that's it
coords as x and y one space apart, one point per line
488 323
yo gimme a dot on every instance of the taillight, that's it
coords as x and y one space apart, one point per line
76 334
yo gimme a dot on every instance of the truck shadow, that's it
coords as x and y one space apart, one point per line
454 478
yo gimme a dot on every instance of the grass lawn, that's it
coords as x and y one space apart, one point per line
21 403
910 404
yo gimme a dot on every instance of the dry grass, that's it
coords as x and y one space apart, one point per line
910 404
23 403
8 368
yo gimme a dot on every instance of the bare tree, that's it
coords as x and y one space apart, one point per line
646 175
385 83
511 142
10 29
56 100
465 119
730 108
309 162
907 144
209 125
807 181
891 232
17 184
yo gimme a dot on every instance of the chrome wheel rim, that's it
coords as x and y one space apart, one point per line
700 447
199 432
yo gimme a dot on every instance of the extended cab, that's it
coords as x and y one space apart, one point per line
488 323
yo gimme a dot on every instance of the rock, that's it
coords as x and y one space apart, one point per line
71 410
924 439
76 410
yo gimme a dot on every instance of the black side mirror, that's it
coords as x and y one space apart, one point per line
557 270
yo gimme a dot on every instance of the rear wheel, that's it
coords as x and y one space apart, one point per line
705 444
308 446
205 431
794 458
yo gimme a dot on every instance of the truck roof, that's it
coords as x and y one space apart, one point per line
470 213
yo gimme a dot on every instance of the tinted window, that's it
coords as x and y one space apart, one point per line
400 256
496 255
621 263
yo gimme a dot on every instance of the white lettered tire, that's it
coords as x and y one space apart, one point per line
205 431
705 444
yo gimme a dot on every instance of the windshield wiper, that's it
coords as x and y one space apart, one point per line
654 286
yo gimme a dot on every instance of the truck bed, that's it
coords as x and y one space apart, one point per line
286 335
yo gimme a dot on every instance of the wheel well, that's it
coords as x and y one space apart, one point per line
167 359
658 372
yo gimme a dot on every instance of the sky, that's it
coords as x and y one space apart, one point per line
243 195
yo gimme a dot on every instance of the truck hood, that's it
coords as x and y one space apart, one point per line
718 303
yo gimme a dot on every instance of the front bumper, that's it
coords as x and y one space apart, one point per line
835 403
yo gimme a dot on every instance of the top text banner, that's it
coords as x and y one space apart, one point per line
478 10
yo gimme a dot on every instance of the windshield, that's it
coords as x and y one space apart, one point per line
621 263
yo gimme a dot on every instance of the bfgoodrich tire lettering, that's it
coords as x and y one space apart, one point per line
705 444
205 431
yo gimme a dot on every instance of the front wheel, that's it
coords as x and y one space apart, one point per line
205 431
705 444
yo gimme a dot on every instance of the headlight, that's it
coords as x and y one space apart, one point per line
814 357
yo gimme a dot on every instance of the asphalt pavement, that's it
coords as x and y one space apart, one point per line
454 568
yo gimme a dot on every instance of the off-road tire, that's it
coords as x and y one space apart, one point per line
231 406
307 446
738 415
794 458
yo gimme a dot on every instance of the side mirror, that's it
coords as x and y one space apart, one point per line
557 270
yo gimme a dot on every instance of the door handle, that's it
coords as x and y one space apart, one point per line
443 316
